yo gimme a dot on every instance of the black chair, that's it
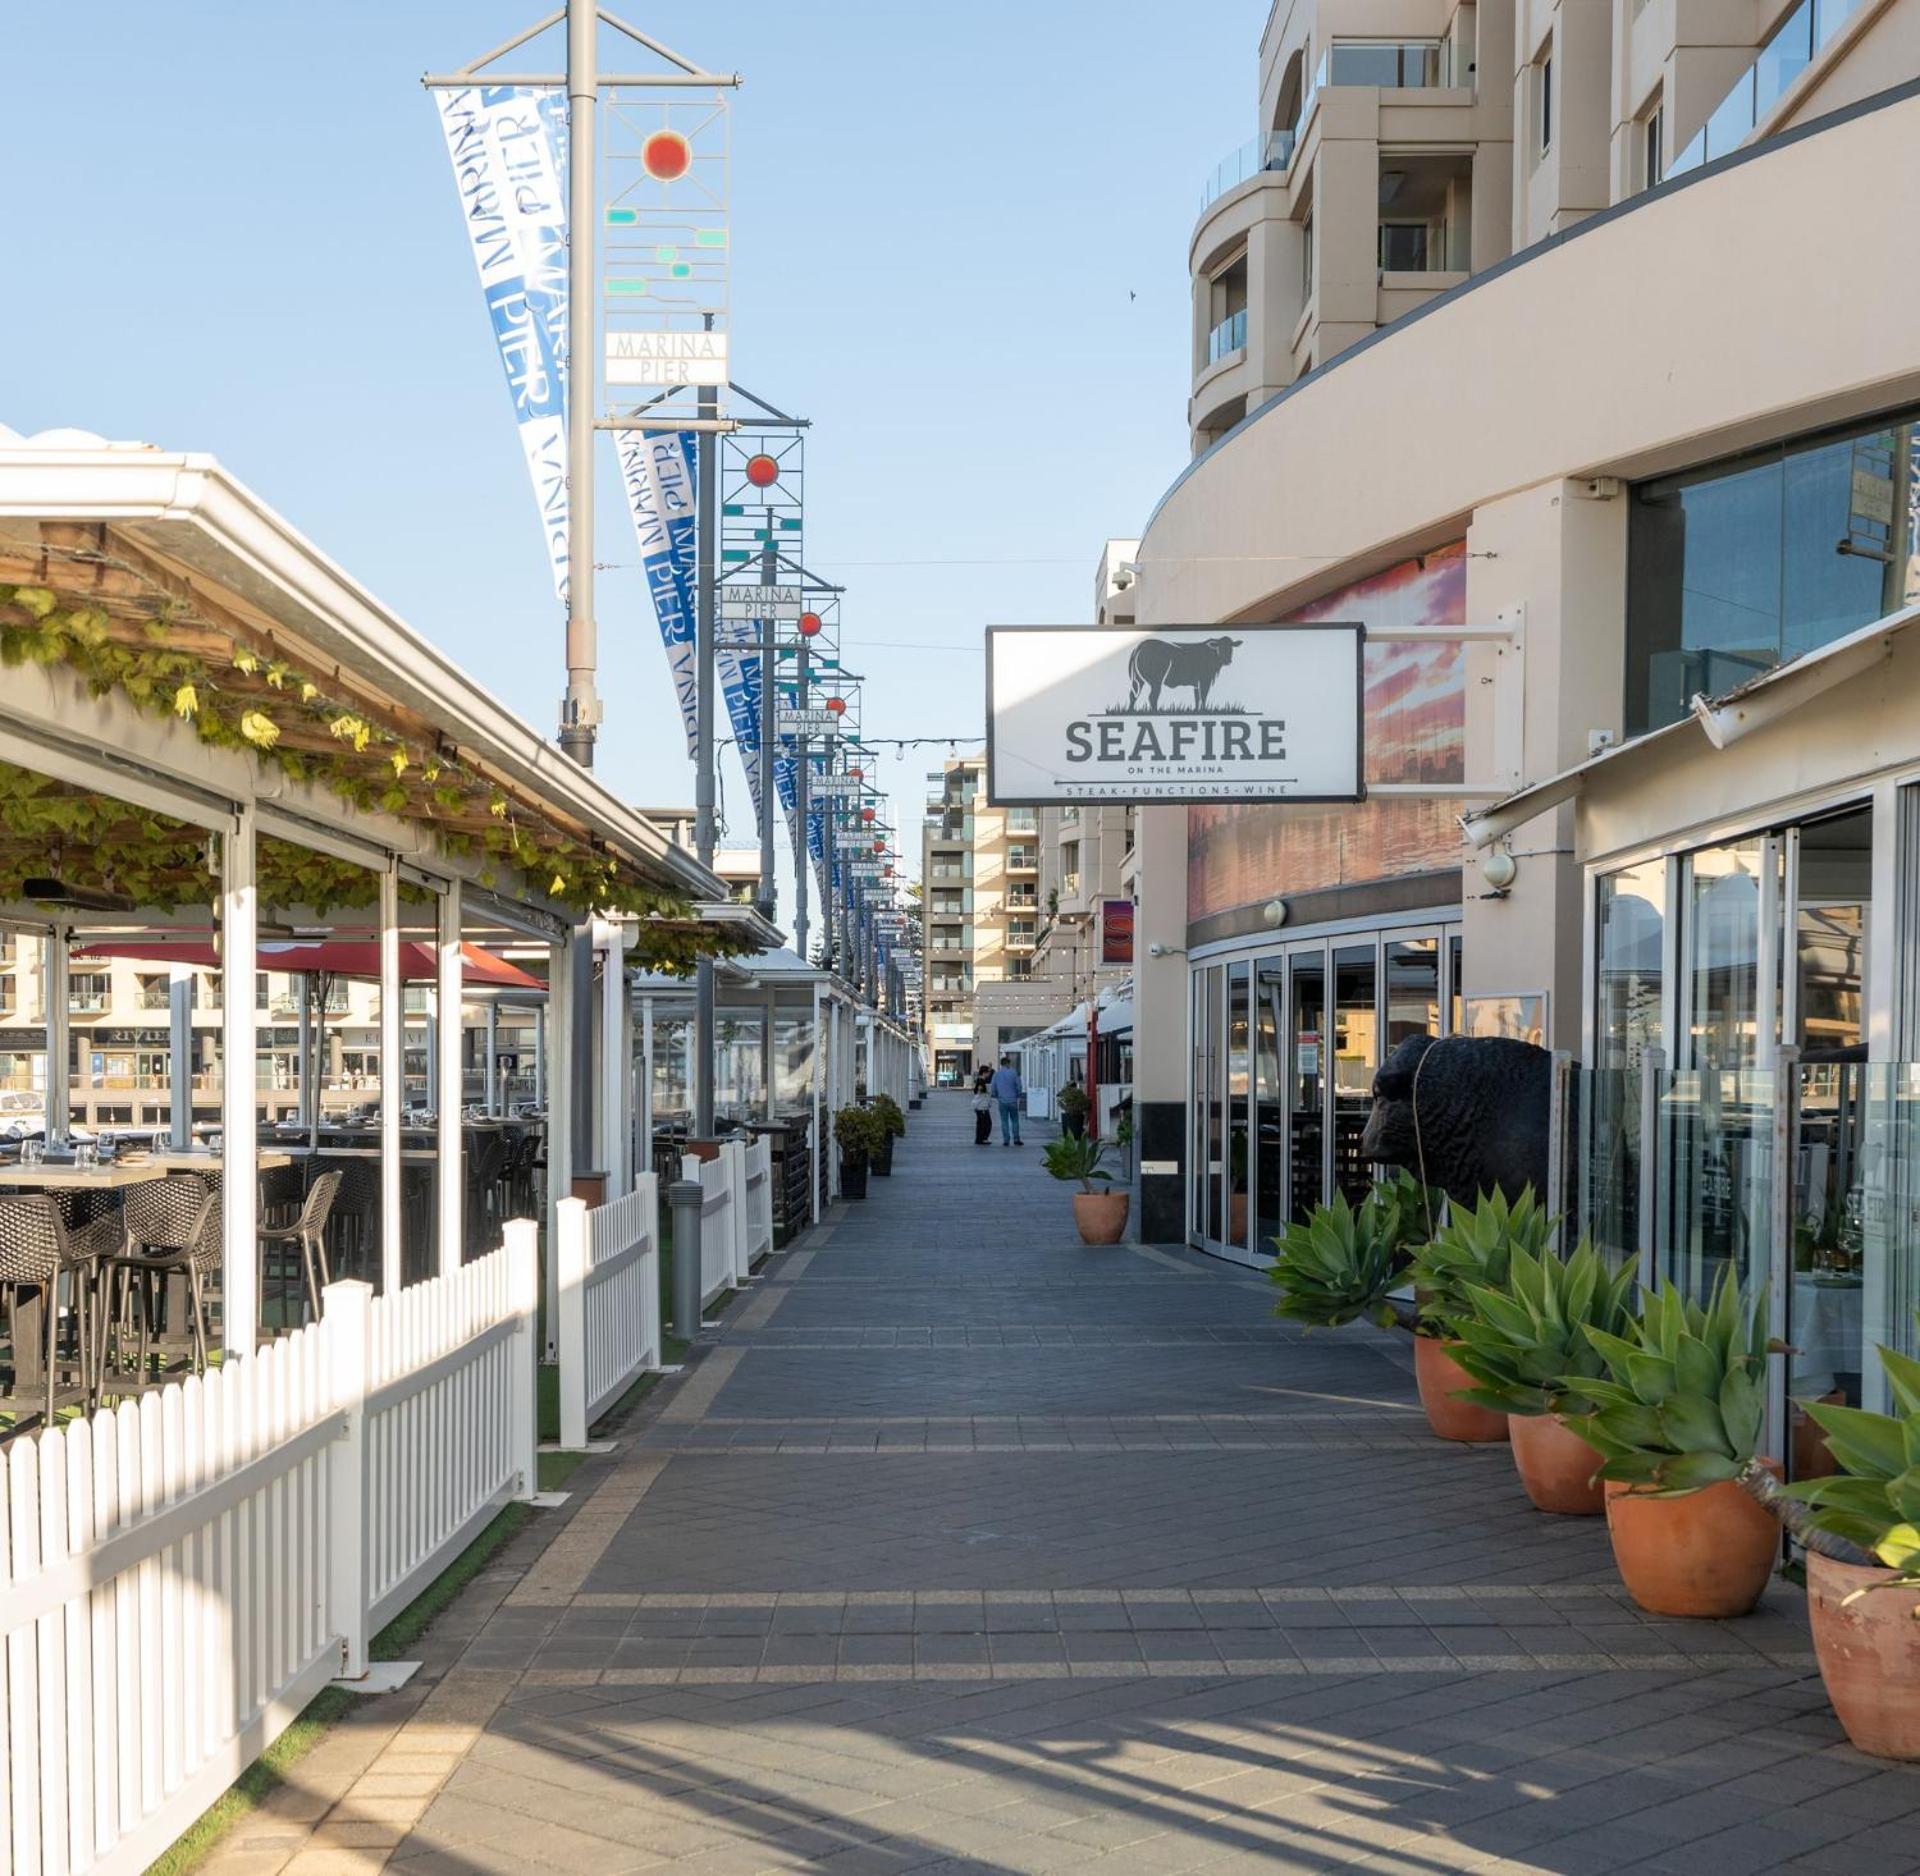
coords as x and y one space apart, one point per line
164 1247
308 1234
38 1250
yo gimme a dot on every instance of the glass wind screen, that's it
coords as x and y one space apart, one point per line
1306 1042
1413 989
1356 1056
1723 904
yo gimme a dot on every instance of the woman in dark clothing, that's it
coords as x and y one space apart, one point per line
982 1107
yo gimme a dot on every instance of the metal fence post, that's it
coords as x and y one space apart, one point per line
571 1256
346 1325
684 1198
523 1297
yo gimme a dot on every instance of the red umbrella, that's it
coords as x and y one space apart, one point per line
331 957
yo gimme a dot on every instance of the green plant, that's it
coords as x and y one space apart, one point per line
891 1117
1073 1099
1682 1405
1525 1344
1874 1500
1077 1156
1475 1250
1341 1265
860 1134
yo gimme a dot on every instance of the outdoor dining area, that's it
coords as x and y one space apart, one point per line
313 959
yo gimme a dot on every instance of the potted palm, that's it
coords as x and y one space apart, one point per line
1522 1346
858 1133
1073 1108
1099 1212
1473 1250
1865 1612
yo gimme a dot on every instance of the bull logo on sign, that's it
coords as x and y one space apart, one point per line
1157 665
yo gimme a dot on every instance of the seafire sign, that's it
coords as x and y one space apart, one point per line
1182 713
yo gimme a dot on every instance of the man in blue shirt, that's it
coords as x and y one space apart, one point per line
1006 1089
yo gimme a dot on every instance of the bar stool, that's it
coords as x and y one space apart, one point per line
309 1232
36 1251
164 1223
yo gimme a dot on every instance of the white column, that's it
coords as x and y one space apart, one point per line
58 977
180 1056
450 988
492 1078
239 1127
645 1101
816 1077
559 1061
613 1121
393 1086
308 1111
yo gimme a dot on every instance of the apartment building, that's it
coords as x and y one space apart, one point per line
980 881
1567 348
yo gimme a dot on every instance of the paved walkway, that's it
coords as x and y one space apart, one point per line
968 1548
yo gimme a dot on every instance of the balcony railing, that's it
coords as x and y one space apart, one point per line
1273 151
1228 337
1069 885
1391 64
1022 860
1796 42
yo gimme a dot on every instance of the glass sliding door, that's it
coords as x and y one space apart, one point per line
1239 1103
1413 989
1356 1034
1306 1081
1630 948
1270 1108
1198 1156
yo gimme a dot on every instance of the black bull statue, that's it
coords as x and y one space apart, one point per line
1469 1114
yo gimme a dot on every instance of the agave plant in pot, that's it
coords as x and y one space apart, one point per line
1524 1345
1099 1212
1865 1611
1344 1263
1474 1250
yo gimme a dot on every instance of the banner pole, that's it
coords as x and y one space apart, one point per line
580 709
769 720
703 779
802 819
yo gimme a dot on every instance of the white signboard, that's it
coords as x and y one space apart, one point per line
667 358
822 785
1184 713
806 723
761 602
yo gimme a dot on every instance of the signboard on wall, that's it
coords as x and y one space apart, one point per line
1116 931
1182 713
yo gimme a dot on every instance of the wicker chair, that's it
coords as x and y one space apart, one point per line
37 1249
308 1232
164 1237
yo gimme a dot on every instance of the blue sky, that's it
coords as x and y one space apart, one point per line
248 243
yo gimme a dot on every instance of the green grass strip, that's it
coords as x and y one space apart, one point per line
270 1771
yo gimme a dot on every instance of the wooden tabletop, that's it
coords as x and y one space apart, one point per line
207 1162
45 1178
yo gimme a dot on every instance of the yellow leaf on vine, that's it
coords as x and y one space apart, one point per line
557 885
186 701
399 760
244 660
309 690
497 807
259 729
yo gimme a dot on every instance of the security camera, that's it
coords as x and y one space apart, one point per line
1123 576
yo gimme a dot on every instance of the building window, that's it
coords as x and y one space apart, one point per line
1403 247
1653 148
1306 256
1735 567
1543 103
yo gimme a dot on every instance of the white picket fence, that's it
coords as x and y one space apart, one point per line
757 1198
609 1269
180 1576
720 1264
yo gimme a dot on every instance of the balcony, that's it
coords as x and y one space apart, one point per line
1388 64
1023 899
1257 156
1022 860
1228 337
1799 39
1021 937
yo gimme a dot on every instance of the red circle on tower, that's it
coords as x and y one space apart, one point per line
866 814
666 156
837 705
879 846
810 622
762 471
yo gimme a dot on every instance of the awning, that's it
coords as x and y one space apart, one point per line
325 957
1716 721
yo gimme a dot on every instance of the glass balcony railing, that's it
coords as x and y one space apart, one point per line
1799 39
1228 337
1273 151
1391 64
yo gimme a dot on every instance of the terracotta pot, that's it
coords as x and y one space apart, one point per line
1101 1216
1438 1374
1811 1458
1704 1553
1869 1653
1556 1465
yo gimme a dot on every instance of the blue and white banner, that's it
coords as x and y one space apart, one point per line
737 661
657 472
509 149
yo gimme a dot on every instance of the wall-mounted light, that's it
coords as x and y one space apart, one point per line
1275 912
1158 950
1499 868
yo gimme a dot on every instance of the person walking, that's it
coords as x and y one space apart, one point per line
982 1107
1006 1090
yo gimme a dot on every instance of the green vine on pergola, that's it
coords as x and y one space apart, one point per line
160 654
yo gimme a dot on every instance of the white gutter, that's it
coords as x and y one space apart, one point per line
190 509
